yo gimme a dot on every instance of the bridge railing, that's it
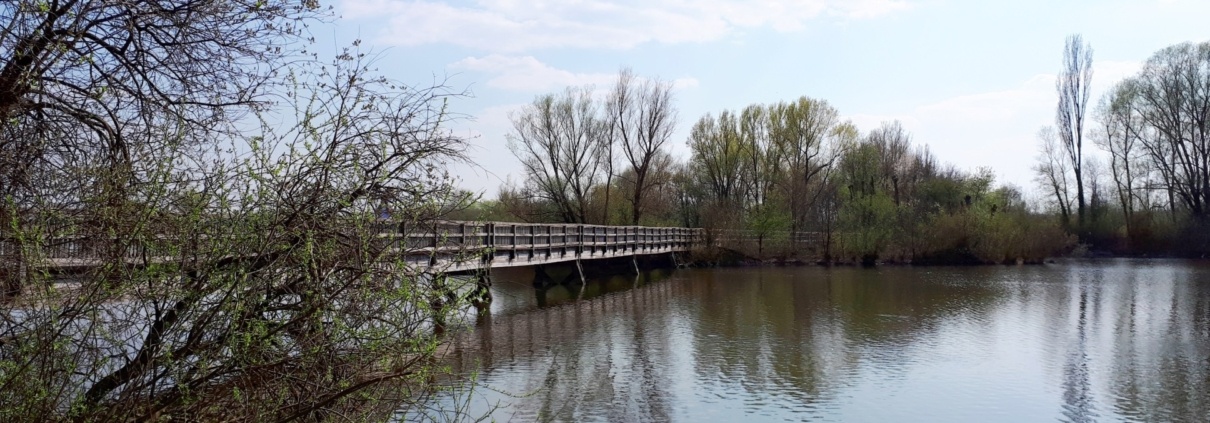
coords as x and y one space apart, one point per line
429 243
529 242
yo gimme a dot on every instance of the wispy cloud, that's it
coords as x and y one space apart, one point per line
528 74
516 26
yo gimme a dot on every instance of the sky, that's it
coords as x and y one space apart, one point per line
972 79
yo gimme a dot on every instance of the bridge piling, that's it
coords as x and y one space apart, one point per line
580 270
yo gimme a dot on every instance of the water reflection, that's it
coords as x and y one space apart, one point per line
1080 341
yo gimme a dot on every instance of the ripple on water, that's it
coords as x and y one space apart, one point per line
1121 341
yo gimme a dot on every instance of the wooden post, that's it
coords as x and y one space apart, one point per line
512 242
579 240
634 243
580 269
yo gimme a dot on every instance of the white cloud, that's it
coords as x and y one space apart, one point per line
528 74
514 26
995 106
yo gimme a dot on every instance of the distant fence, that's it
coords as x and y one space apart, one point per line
784 243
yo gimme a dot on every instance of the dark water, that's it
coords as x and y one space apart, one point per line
1075 341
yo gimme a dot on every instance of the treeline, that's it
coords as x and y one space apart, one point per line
1148 191
789 180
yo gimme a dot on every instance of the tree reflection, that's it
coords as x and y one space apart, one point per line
1106 340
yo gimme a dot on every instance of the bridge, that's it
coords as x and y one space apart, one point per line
445 245
441 247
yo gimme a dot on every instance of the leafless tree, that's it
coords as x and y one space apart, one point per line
640 120
1052 172
1074 86
559 140
1120 134
893 144
84 81
1173 99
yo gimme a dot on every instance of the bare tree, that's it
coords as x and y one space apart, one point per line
559 140
84 80
1052 172
1074 86
1173 100
1120 133
893 143
640 121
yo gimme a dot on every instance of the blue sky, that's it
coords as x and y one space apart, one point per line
974 80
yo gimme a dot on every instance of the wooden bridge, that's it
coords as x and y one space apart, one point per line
448 246
469 246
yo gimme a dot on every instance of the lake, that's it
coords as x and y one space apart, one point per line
1076 341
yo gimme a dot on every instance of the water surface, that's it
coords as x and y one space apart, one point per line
1121 340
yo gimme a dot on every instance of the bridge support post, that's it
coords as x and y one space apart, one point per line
634 260
580 269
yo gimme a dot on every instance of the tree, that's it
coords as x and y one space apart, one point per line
640 121
892 143
559 140
1171 95
718 157
763 160
1074 85
1119 134
867 211
801 131
237 272
1052 173
85 80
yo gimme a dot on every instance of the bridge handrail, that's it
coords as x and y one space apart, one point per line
450 238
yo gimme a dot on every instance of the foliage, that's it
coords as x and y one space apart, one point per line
234 271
